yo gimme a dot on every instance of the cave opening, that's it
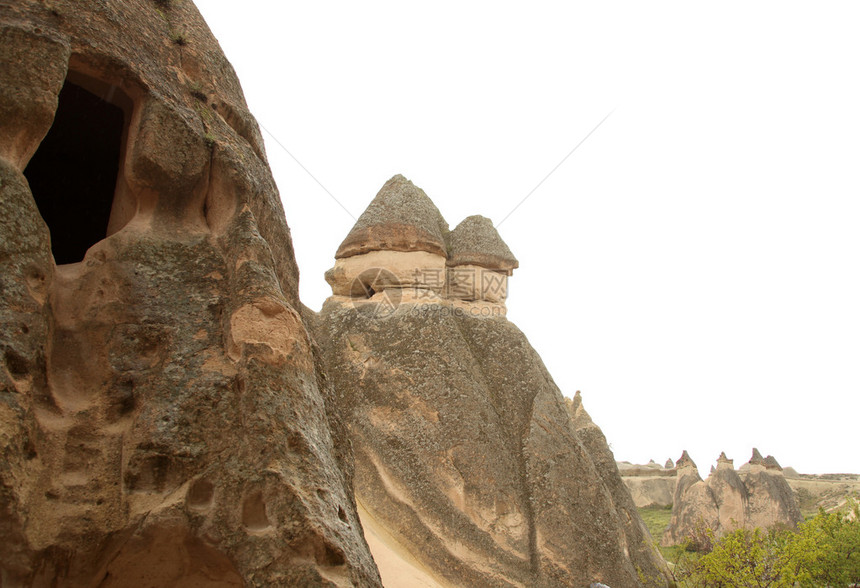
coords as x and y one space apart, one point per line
73 174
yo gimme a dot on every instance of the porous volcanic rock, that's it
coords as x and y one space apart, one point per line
771 499
479 262
162 418
475 241
638 539
727 500
397 244
650 485
693 508
401 218
469 470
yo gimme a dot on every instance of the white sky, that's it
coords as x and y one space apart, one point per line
692 268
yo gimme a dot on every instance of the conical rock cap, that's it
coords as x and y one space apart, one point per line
685 461
756 458
475 241
400 218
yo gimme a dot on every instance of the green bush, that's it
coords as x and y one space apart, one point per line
824 551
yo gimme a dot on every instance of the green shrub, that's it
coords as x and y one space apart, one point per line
824 551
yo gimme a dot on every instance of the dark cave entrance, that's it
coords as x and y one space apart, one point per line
73 174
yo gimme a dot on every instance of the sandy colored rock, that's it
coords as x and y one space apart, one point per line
367 273
756 463
400 218
770 463
828 491
728 500
650 485
771 499
163 418
650 491
637 537
476 242
469 470
473 282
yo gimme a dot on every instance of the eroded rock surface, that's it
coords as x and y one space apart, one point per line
469 470
400 218
162 417
757 495
650 485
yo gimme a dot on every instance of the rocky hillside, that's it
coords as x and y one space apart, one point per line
469 469
653 485
170 414
757 496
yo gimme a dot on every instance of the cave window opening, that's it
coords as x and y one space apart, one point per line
73 174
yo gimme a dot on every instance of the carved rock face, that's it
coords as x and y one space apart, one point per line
161 414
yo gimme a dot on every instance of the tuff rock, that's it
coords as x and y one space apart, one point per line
167 418
650 485
469 467
162 415
754 497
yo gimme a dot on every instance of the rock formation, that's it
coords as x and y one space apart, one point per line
650 485
771 499
401 232
478 262
637 536
162 417
759 496
468 467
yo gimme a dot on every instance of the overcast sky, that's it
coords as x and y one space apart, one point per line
692 267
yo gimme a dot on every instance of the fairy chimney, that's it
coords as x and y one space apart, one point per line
398 242
685 462
756 462
757 496
724 462
771 464
479 262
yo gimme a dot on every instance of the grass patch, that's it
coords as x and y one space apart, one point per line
656 519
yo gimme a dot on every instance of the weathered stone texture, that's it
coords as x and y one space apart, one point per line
475 241
466 455
400 218
728 499
162 418
469 468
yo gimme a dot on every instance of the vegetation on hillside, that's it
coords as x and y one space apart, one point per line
823 551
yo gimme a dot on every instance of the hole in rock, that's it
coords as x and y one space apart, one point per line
200 494
254 512
73 174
